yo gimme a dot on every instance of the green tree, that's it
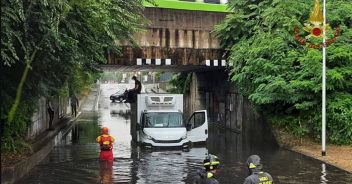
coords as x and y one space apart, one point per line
47 45
282 77
181 82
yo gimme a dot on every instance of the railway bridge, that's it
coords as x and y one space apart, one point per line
178 36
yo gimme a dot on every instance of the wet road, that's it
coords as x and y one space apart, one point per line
75 158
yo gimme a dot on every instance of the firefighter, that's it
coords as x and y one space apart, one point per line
256 175
106 145
211 164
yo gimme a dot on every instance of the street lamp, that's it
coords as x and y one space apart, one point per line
323 130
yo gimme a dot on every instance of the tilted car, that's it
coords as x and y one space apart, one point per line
119 96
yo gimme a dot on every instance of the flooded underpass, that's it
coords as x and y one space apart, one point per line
75 158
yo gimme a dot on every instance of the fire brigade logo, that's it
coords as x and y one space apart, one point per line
315 28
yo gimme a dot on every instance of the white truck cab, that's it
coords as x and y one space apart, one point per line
160 122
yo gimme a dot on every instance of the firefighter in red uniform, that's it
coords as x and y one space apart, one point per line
106 141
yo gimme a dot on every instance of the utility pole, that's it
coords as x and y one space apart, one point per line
317 30
323 129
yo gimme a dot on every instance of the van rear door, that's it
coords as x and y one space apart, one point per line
197 127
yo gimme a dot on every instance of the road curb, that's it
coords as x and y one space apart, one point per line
96 102
314 158
41 147
284 145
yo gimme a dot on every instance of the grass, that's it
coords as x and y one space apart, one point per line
184 5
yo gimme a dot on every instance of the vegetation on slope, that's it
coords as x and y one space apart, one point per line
282 77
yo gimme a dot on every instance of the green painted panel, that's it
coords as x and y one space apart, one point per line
184 5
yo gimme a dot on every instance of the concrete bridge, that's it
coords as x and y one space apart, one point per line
182 40
174 39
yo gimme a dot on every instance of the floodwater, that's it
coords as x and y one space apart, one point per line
75 158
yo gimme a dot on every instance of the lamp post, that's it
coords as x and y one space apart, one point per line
323 129
317 30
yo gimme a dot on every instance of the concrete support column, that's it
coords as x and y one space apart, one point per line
189 39
196 41
144 38
172 38
163 38
214 43
149 37
181 37
204 39
153 37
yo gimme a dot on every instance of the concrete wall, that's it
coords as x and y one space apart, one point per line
186 37
40 119
180 28
177 38
226 107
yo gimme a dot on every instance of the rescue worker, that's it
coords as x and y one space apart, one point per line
256 175
106 144
211 164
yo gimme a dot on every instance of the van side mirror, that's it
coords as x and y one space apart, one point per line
138 127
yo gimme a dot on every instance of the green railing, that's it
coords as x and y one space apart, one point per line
185 5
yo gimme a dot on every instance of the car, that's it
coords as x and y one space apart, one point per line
118 96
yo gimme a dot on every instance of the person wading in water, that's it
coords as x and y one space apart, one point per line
106 145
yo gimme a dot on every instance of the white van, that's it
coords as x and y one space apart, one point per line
160 122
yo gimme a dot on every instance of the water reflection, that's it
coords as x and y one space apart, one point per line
106 174
75 135
169 166
125 114
323 172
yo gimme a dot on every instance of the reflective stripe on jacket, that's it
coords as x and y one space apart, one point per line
105 142
259 178
204 177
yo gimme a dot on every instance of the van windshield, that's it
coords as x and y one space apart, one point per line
162 120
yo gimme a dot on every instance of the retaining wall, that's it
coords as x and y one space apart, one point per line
226 107
40 119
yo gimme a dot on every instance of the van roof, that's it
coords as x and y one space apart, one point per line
163 111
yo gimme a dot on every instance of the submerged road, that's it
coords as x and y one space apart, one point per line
75 158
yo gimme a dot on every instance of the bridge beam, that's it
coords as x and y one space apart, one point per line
186 37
